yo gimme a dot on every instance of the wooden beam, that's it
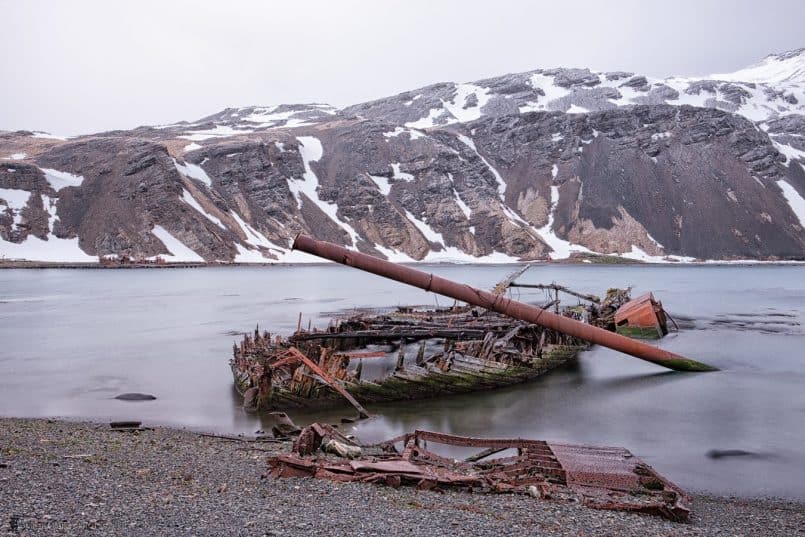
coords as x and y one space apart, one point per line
329 380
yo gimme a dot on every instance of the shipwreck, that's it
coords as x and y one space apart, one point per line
598 477
487 342
406 353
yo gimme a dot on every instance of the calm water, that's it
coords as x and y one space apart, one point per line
70 340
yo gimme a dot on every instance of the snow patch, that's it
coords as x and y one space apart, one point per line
53 249
267 117
402 176
790 153
431 234
220 131
393 255
59 180
588 142
576 109
16 200
311 150
660 136
194 171
191 147
190 200
382 184
501 184
458 107
409 103
452 254
774 69
246 255
16 156
652 239
795 201
530 107
412 133
427 121
461 205
178 250
561 248
628 93
50 206
554 171
254 237
551 90
639 255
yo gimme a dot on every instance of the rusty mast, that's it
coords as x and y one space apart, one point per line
498 303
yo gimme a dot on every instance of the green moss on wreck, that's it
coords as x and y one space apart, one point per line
638 332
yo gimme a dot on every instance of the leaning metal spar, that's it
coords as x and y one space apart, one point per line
498 303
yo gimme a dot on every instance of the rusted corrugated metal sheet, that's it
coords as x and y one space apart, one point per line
601 478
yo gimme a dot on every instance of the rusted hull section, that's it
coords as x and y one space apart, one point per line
642 317
498 303
601 478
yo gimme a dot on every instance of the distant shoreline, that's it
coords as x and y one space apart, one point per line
586 261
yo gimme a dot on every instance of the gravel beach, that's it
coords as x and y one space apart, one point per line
62 478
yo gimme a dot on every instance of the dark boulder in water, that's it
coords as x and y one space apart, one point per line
135 397
721 453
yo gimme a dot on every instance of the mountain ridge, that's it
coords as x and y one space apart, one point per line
548 163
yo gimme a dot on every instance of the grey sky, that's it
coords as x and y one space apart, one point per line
85 66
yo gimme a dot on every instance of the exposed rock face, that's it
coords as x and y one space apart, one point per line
523 166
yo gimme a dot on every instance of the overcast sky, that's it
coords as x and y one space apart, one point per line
86 66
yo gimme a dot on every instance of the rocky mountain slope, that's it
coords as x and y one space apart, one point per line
546 164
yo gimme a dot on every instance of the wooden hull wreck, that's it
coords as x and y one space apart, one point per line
401 355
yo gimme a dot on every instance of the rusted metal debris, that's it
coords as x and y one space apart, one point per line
497 303
601 478
642 317
409 353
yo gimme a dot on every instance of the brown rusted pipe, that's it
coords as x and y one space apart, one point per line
498 303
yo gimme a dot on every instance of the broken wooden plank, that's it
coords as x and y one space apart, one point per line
330 381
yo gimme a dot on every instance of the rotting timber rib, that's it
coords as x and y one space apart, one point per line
407 353
497 303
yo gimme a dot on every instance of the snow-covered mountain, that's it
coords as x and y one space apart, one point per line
548 163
